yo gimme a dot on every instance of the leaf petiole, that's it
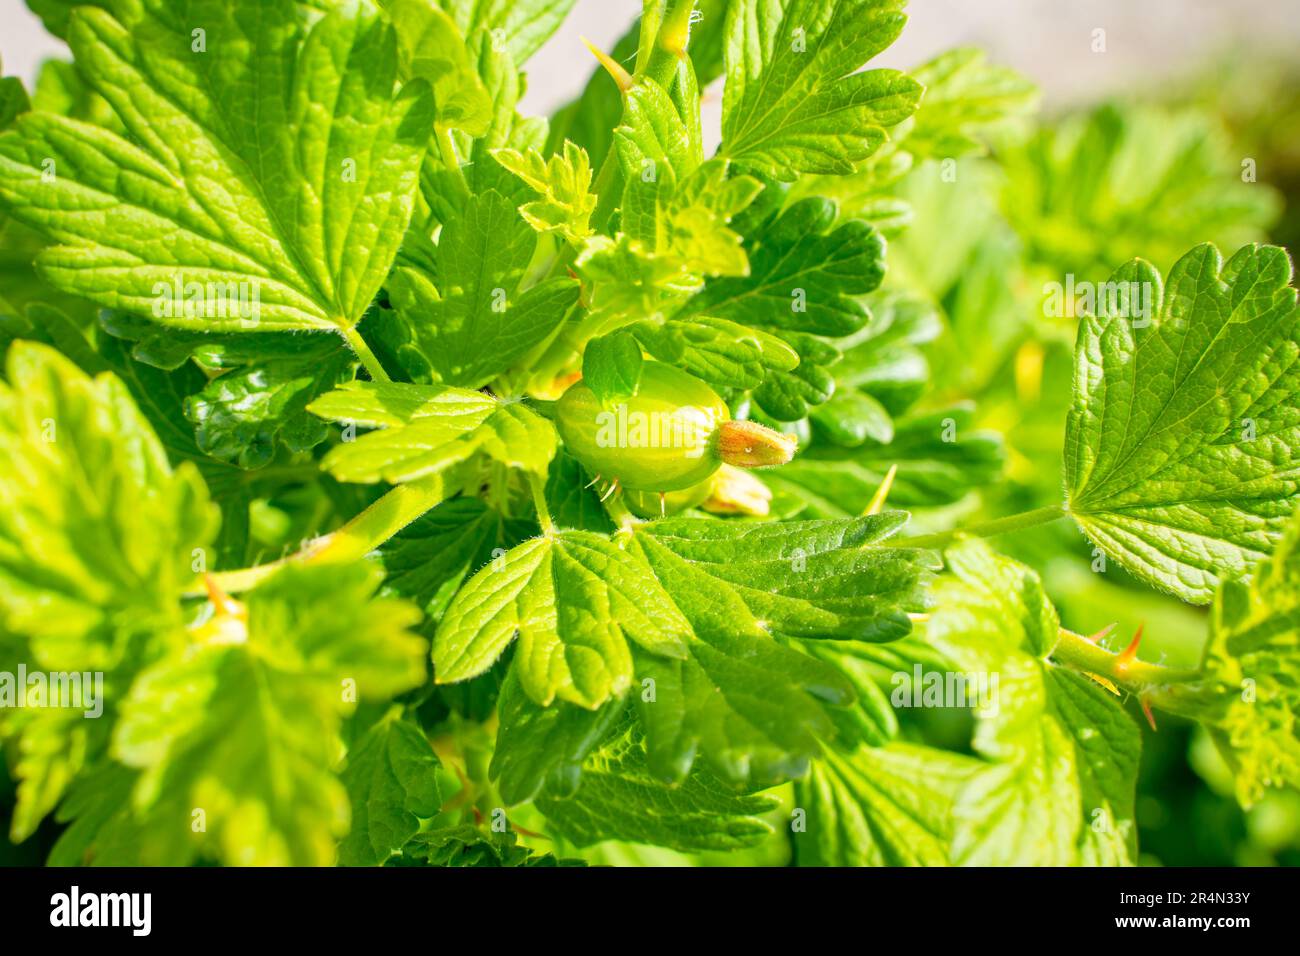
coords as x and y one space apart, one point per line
984 529
353 541
367 357
538 489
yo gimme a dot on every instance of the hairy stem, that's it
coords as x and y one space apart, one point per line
367 357
371 528
1076 651
617 509
985 529
538 488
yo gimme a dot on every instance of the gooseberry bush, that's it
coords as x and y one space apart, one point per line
430 484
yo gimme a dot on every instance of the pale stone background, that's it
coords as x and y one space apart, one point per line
1050 40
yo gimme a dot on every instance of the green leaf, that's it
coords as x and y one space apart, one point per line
55 14
429 560
815 579
1250 695
964 97
245 414
749 705
13 100
806 276
427 428
468 846
940 456
885 360
795 101
61 89
288 201
655 148
1057 788
806 272
628 280
507 130
590 119
1180 448
475 319
752 710
391 784
706 599
244 723
101 829
573 599
676 207
850 418
620 799
430 47
544 747
564 185
572 497
788 396
1102 187
880 806
519 26
716 350
98 534
46 749
611 366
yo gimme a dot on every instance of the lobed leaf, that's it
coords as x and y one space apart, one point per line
1180 447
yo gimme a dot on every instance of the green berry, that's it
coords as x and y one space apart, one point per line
671 435
663 438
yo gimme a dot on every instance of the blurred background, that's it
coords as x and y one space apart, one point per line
1161 124
1148 40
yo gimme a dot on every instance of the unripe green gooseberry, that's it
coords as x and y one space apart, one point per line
671 435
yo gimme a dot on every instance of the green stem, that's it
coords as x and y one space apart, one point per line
498 486
606 194
657 60
985 529
447 147
1076 651
538 489
368 358
367 531
617 509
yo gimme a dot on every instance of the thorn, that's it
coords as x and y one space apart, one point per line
613 487
1129 654
1100 635
621 76
456 802
1104 683
229 621
528 833
595 481
878 499
222 603
663 504
1146 709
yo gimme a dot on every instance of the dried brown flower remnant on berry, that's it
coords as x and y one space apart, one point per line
751 445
